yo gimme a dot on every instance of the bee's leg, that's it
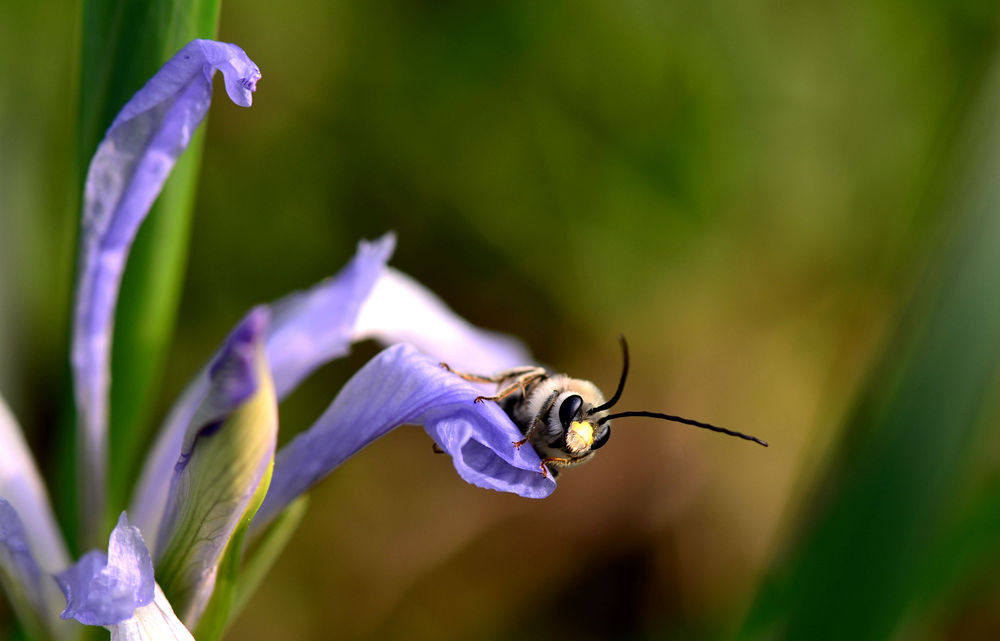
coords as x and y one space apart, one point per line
521 376
520 383
515 372
528 433
556 462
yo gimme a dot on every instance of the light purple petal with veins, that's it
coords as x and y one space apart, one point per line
105 589
125 177
307 329
401 310
314 327
401 385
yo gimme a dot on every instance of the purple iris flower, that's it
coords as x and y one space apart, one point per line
213 478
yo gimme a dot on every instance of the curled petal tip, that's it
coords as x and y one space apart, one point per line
234 371
240 72
251 330
105 589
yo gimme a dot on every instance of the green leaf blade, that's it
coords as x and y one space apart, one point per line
876 518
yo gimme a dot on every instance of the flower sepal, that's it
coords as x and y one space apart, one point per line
213 620
222 474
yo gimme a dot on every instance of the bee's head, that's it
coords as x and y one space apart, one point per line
581 430
583 412
580 419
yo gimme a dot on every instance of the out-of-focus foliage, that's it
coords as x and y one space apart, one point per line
757 195
880 526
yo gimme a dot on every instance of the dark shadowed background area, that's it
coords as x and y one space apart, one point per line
751 192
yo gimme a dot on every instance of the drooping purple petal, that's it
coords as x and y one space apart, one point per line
401 385
307 329
125 177
105 589
224 461
401 310
22 486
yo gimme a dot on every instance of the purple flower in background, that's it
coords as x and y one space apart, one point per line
213 477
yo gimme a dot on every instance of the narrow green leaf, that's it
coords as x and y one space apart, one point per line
970 546
122 46
878 513
266 551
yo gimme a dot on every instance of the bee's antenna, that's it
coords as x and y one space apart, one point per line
621 381
686 421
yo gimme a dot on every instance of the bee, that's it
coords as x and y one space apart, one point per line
566 419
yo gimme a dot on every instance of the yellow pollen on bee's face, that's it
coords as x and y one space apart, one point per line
580 436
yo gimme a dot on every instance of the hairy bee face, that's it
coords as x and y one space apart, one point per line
555 413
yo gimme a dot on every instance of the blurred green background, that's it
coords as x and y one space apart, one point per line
778 204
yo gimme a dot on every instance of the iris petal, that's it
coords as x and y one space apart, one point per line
153 622
369 300
105 589
225 461
307 329
126 175
31 592
402 385
313 327
22 486
401 310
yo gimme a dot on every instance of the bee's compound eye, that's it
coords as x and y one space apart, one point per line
569 410
602 438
